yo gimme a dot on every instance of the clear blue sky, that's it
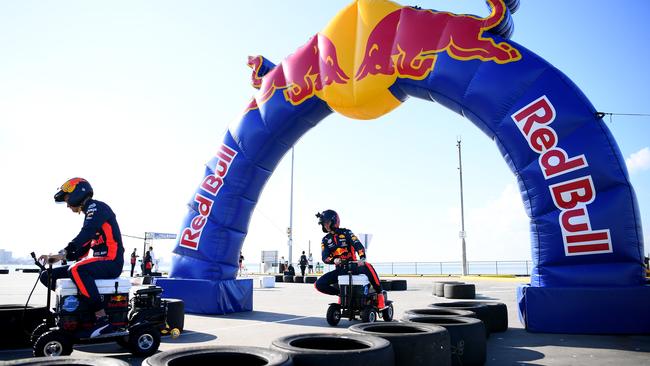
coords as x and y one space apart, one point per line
135 96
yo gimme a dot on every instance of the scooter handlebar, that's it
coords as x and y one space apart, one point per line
41 266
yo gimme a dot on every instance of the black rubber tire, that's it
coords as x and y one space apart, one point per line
451 313
31 270
4 271
144 342
388 313
327 349
482 312
288 278
52 343
299 279
67 360
18 324
439 287
386 285
467 338
497 318
333 314
369 314
414 344
219 355
460 291
175 313
279 278
398 285
311 279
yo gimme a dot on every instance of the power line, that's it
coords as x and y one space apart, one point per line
600 115
134 237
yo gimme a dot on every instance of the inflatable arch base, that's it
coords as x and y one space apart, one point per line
585 310
210 296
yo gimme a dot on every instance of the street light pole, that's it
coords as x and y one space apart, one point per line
462 209
290 231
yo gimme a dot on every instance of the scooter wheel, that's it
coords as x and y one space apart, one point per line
53 343
387 314
334 315
369 314
144 342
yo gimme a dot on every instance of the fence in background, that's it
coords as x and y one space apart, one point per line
518 268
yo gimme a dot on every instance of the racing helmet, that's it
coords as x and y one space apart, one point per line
78 191
328 216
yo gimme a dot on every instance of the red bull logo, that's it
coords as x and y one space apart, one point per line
377 41
313 66
407 41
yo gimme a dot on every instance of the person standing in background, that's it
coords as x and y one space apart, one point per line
134 257
303 263
147 263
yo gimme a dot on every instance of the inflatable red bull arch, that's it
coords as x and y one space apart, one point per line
587 244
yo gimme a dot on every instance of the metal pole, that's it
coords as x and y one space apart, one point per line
462 209
291 213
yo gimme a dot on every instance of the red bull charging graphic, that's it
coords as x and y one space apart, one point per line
586 237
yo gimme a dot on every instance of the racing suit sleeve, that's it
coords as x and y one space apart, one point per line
358 247
80 245
326 252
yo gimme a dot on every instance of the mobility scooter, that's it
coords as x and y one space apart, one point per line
138 321
357 298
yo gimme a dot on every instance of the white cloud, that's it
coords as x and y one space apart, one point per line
638 161
499 230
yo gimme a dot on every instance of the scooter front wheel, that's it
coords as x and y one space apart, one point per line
334 315
144 342
53 343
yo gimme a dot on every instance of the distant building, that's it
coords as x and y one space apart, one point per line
5 256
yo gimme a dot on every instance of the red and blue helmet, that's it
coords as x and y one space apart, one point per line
328 216
77 190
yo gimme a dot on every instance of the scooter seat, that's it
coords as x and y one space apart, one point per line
359 279
66 287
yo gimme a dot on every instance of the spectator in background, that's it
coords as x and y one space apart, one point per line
154 261
303 263
134 257
147 263
282 266
241 262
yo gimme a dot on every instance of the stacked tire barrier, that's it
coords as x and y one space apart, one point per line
66 360
398 285
175 314
219 355
467 337
18 323
413 344
494 314
454 290
316 349
450 313
327 349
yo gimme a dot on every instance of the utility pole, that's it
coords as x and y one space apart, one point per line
290 230
462 209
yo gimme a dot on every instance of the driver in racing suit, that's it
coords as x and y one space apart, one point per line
100 233
341 245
